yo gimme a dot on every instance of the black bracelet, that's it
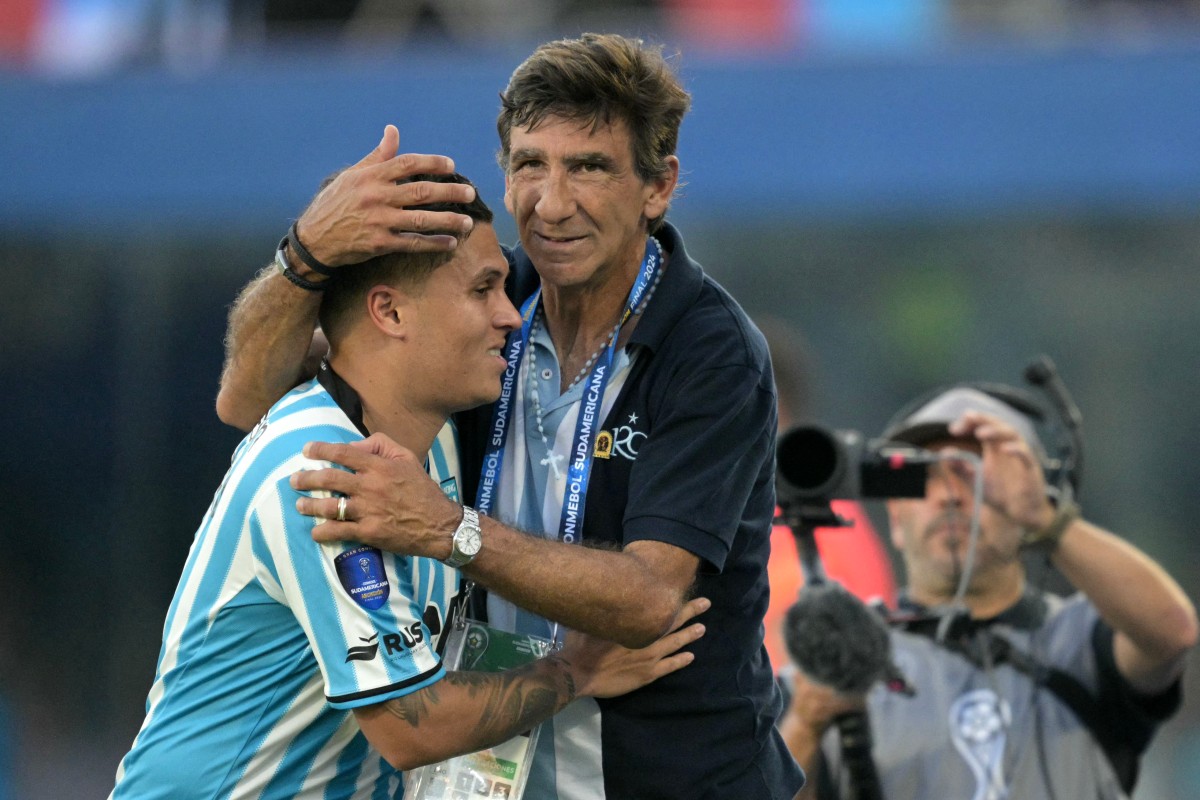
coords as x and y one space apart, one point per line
286 270
1047 538
309 260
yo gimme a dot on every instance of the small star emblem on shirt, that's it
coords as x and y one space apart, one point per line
632 419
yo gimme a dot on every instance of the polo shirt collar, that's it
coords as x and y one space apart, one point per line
679 290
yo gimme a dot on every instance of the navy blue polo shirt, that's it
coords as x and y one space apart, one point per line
702 477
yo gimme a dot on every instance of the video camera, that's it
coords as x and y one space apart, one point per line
816 464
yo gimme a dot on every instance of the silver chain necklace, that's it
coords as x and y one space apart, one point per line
553 458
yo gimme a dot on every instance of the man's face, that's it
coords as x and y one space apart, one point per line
580 207
462 319
933 532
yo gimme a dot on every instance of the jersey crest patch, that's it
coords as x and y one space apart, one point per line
361 572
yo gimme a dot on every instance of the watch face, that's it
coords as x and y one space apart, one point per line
469 541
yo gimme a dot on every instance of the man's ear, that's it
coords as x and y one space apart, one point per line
390 310
658 191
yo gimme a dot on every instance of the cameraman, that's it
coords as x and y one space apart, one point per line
1021 694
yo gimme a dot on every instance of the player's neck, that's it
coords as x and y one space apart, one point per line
387 405
409 427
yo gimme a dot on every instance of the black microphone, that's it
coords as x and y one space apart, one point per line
836 640
1044 374
839 642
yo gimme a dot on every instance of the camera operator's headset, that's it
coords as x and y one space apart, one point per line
1063 468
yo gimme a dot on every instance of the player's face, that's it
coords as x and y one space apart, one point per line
580 207
463 319
933 532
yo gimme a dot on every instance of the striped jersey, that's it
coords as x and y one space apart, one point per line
272 639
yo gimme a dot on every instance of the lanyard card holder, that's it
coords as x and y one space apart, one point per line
497 772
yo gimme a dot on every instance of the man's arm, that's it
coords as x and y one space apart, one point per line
469 711
810 713
361 213
267 344
632 595
1154 622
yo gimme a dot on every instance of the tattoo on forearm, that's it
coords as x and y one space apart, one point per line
412 708
508 702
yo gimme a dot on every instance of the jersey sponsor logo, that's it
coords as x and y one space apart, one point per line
403 640
364 652
450 488
361 572
433 620
409 637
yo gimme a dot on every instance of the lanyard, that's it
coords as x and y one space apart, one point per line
587 422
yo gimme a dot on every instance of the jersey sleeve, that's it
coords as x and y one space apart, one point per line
356 605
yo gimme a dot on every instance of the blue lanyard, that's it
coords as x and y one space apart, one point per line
587 422
493 457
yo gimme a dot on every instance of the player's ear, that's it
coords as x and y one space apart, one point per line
390 310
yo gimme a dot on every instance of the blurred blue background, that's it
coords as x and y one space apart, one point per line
925 190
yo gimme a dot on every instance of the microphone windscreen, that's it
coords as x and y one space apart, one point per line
836 640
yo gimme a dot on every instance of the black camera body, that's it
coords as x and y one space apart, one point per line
816 464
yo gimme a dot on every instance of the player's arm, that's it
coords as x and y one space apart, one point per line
469 711
360 213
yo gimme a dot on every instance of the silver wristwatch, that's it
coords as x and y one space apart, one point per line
467 541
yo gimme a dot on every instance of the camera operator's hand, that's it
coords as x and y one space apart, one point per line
816 705
1013 482
809 715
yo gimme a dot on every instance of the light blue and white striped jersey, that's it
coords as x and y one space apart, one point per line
271 639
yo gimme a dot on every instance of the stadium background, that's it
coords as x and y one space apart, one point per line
928 191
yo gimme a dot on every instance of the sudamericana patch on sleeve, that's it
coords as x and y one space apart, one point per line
361 572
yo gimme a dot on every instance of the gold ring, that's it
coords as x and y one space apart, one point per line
341 517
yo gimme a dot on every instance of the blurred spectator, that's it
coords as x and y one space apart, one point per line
854 555
748 25
18 21
390 21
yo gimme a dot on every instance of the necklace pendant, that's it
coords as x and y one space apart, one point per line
552 460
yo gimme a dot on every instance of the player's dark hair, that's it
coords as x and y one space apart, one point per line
344 296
